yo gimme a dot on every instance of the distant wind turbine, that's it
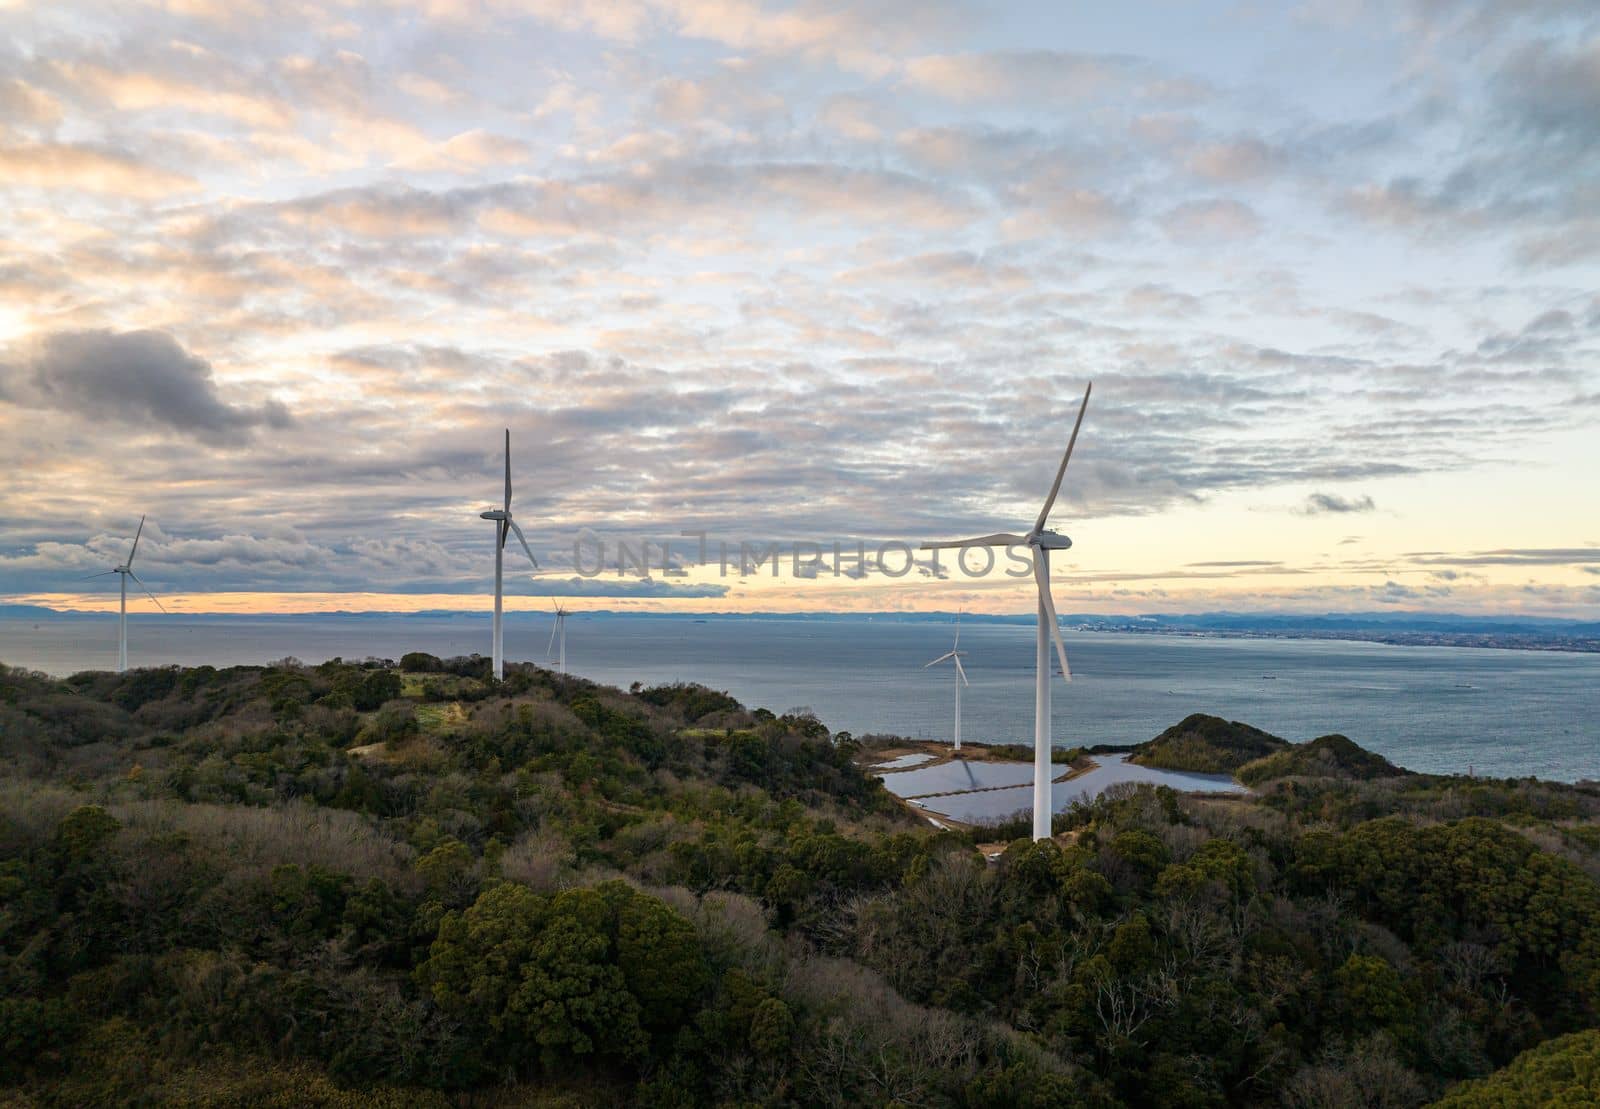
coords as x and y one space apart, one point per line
1042 542
124 572
505 526
559 634
954 655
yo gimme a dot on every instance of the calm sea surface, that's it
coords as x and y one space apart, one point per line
1439 709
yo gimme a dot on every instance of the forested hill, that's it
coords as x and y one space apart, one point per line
1207 745
394 885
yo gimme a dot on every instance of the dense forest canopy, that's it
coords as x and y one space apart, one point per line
379 883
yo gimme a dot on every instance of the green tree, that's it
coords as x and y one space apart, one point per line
1563 1073
771 1029
450 870
658 953
1372 993
1141 851
586 972
1132 947
1219 864
84 830
376 687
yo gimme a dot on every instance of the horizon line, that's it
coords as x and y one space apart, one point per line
922 615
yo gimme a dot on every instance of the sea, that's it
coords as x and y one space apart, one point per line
1453 710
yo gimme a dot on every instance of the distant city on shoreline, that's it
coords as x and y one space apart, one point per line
1402 629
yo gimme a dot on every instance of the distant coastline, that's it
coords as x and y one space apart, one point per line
1398 629
1493 640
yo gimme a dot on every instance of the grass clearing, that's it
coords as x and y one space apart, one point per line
438 719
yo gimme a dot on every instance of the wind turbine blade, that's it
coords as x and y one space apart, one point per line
941 658
999 539
1049 502
551 646
962 670
101 574
957 643
147 592
1043 580
512 524
135 547
508 469
504 531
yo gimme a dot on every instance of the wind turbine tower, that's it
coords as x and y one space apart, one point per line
558 636
954 655
124 572
1041 542
504 526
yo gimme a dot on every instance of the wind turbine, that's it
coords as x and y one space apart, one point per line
954 655
504 526
559 632
1042 542
124 572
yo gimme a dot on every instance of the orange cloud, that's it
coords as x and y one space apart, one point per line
135 92
89 169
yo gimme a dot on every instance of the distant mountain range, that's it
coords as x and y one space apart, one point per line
1270 622
1366 625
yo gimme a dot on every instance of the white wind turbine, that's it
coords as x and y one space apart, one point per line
124 572
559 634
954 655
1042 543
505 526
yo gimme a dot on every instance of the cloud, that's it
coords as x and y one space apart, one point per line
1521 165
856 117
379 211
785 270
1394 593
1515 556
88 168
1041 76
1046 209
470 150
1231 563
1161 300
132 377
852 36
1568 246
1554 88
1318 504
627 587
618 20
1234 161
153 91
21 103
1211 221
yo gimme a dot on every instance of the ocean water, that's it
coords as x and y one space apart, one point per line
1440 709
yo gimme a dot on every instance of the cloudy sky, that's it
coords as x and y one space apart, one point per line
279 274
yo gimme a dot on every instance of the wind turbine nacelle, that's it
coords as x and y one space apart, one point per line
492 514
1052 541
